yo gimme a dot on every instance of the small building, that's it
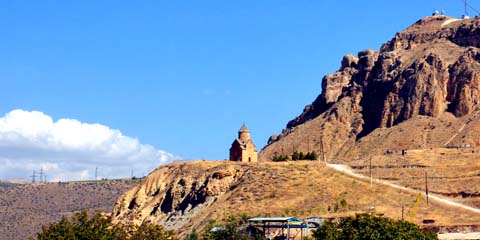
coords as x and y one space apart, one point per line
243 149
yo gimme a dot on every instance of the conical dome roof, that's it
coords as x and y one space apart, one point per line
244 128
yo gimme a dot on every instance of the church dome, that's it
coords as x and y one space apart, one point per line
244 129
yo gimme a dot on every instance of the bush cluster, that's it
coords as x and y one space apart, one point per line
296 155
302 156
367 226
228 229
360 226
82 226
281 158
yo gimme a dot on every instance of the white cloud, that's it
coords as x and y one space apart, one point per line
68 149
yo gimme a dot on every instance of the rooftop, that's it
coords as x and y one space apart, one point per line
244 128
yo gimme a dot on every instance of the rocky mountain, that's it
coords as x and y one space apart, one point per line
426 75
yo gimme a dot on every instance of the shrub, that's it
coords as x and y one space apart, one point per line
296 155
280 158
230 229
366 226
193 235
313 155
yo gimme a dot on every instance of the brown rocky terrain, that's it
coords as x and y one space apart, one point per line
426 77
183 196
25 208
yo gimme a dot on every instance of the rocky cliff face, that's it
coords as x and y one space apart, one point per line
429 69
174 193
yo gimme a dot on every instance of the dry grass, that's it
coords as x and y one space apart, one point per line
451 172
306 189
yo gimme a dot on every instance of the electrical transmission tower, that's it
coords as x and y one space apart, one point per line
34 175
41 175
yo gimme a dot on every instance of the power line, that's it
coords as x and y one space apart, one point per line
467 6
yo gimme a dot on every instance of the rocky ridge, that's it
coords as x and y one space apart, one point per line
429 69
173 194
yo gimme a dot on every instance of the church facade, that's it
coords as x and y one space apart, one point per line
243 149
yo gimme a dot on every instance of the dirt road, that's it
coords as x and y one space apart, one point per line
347 170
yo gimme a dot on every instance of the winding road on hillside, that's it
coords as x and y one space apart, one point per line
347 170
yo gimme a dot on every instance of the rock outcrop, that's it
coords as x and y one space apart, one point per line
429 69
174 193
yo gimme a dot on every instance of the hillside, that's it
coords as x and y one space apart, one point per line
25 208
6 184
416 92
450 172
183 196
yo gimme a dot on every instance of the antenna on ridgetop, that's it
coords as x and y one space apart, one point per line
467 6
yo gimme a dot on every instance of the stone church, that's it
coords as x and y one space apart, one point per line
243 149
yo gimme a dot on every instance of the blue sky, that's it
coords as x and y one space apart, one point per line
183 76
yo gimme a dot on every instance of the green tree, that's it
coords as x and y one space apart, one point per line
230 229
366 226
313 156
193 235
219 231
151 231
280 158
295 155
82 226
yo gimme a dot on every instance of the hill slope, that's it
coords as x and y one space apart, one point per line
25 208
183 196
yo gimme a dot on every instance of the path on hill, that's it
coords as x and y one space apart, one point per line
475 114
347 170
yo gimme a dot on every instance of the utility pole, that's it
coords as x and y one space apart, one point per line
426 186
309 145
33 176
41 175
403 212
371 175
466 14
131 175
323 151
96 173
